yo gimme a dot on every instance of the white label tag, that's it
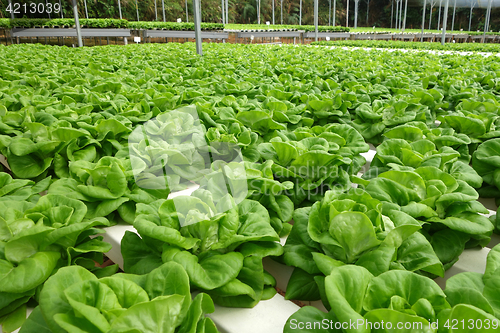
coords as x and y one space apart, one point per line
327 38
251 37
268 23
137 39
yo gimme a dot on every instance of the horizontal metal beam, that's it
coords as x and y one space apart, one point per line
446 36
311 34
372 36
270 34
87 32
404 36
185 34
481 36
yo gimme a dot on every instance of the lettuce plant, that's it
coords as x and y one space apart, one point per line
50 148
73 300
36 240
219 243
106 188
485 162
446 208
313 160
253 181
441 137
408 148
356 297
475 294
349 228
353 295
372 119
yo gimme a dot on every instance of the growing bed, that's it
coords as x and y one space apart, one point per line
246 171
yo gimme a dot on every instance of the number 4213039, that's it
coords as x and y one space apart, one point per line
33 8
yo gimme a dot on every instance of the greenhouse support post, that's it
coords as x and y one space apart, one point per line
392 12
163 9
137 10
156 11
282 12
453 19
423 21
356 5
439 13
187 12
86 11
472 4
11 12
197 26
223 7
404 20
400 14
120 9
77 24
62 11
487 21
445 20
227 11
300 12
430 13
273 11
367 10
397 14
334 11
316 20
329 12
347 15
258 12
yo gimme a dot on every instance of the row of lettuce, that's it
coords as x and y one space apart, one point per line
6 23
123 24
422 46
103 23
78 124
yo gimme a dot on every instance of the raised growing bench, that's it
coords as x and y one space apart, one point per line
372 36
460 36
184 34
489 38
69 32
269 34
311 34
405 36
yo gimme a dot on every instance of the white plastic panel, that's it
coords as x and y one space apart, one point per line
114 237
267 317
369 156
471 260
3 161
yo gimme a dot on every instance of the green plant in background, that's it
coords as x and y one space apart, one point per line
467 47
